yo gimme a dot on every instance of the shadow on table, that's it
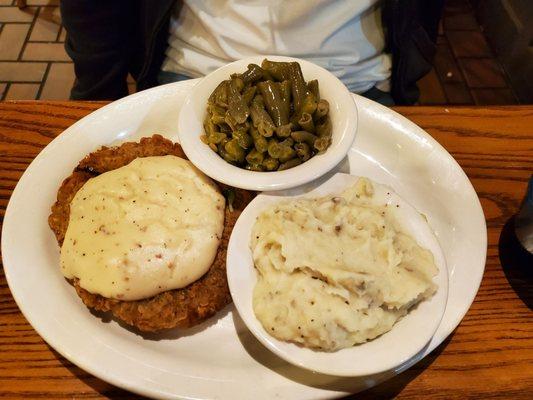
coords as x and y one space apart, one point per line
516 263
103 388
391 388
387 389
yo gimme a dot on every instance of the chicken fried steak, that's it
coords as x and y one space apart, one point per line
183 307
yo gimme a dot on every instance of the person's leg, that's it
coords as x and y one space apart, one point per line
100 37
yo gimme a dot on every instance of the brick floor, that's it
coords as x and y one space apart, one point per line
465 67
33 61
34 65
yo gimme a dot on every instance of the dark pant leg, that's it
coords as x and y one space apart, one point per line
100 40
379 96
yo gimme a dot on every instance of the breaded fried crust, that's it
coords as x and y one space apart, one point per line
174 308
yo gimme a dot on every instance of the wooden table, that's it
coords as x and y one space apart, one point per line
490 354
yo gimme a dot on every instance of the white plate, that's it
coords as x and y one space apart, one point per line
343 114
221 359
406 339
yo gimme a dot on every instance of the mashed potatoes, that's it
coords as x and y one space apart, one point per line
148 227
336 271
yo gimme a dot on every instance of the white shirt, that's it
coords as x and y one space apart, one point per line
343 36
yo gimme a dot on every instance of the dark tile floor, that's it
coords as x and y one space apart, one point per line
465 68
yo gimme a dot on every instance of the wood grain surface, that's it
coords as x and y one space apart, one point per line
490 354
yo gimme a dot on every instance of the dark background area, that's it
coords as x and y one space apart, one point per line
484 54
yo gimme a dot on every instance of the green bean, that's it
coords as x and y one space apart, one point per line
260 142
254 167
244 140
223 142
273 102
209 126
216 137
255 157
322 143
283 131
265 129
233 125
224 128
249 94
228 118
304 137
253 74
218 119
220 94
289 164
278 70
306 122
298 86
285 90
237 106
287 142
324 128
224 154
215 109
303 151
308 106
235 151
267 118
281 150
243 127
238 83
322 109
258 101
267 76
274 149
270 164
261 119
285 151
312 86
286 154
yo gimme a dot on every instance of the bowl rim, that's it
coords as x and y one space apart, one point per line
279 347
214 166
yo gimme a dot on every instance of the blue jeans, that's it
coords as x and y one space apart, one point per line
372 94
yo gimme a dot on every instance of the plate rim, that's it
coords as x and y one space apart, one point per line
129 384
267 199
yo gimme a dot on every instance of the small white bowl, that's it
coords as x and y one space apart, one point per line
403 342
343 113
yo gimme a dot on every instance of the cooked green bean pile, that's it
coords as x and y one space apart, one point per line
267 118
